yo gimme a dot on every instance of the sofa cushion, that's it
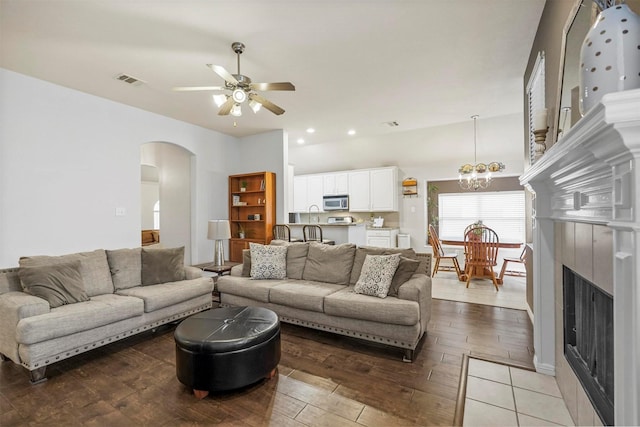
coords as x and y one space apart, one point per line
347 303
245 287
166 294
93 267
59 284
406 268
296 257
268 262
162 265
126 267
303 294
329 263
72 318
377 274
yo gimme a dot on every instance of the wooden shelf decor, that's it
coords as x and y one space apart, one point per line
409 187
252 211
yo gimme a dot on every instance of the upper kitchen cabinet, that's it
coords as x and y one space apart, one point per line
307 191
384 189
359 191
336 183
373 190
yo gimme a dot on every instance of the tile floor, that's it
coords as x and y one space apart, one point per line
507 396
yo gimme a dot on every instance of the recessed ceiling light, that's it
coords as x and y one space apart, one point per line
351 132
310 130
300 141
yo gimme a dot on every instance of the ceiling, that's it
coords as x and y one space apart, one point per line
356 64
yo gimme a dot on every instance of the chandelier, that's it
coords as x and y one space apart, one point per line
478 175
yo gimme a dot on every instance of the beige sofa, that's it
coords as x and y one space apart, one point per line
319 292
92 299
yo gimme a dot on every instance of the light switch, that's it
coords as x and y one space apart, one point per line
413 209
121 211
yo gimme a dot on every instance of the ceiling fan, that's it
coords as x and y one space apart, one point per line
242 89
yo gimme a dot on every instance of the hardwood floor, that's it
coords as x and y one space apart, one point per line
324 379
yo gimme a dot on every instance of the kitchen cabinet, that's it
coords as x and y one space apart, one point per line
251 195
307 191
369 190
384 237
384 189
335 183
359 188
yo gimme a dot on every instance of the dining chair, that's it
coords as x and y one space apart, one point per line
522 259
313 233
283 232
481 253
439 254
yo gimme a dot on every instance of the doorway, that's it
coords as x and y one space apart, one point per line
166 194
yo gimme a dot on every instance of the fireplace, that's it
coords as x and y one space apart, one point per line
588 339
586 187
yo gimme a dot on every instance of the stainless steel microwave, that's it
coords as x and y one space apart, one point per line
335 203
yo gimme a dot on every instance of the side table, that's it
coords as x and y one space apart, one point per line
215 271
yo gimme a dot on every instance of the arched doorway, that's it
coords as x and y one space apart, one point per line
173 166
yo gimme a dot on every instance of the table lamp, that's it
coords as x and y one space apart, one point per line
218 230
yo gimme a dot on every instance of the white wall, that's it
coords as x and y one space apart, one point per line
149 195
68 159
425 154
267 152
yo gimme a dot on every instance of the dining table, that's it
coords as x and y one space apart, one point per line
486 272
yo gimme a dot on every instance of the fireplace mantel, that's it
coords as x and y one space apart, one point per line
591 176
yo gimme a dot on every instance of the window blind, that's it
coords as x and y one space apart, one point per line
503 211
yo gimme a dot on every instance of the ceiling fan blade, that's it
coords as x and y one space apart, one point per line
266 104
196 88
223 73
273 86
226 107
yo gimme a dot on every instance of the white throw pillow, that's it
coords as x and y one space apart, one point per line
268 262
377 274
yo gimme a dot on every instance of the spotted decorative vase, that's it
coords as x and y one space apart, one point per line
610 56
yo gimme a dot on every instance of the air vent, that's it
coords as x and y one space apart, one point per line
391 124
129 79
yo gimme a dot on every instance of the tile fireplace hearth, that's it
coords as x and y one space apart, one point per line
586 218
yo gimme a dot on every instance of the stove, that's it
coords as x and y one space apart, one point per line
340 220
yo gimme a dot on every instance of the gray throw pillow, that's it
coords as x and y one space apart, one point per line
358 260
126 267
162 265
59 284
246 263
296 257
406 268
377 274
329 263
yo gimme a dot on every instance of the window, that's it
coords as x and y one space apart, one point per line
156 215
502 211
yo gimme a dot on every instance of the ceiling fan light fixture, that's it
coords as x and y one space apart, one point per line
255 105
220 99
236 110
239 96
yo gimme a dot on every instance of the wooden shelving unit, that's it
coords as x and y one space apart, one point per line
257 198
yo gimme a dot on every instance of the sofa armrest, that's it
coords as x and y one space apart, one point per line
236 270
192 272
418 289
15 306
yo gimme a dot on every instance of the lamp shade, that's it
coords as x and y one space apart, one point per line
219 229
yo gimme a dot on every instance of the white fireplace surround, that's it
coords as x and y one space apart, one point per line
591 176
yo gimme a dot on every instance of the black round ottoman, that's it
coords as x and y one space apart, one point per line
227 348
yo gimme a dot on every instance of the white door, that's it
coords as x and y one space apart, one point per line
300 203
314 191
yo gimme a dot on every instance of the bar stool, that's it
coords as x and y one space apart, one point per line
313 233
